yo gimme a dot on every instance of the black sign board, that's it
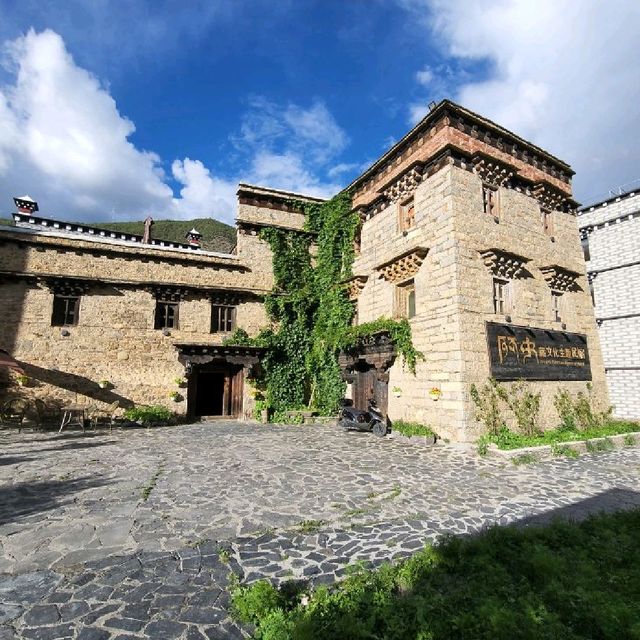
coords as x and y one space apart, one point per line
537 354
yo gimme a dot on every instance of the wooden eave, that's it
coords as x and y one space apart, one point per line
447 108
137 284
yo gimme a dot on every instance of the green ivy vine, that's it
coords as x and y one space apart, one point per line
311 314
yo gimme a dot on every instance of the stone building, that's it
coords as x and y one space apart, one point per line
611 239
467 230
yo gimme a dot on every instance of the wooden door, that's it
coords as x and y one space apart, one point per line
363 388
237 384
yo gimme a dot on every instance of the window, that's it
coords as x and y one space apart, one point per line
490 200
166 314
407 215
547 221
556 306
65 311
584 241
222 318
501 301
406 299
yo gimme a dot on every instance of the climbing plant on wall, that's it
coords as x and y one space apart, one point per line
310 311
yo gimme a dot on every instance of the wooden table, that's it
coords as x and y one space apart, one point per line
73 414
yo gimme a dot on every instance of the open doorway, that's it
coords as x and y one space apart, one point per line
215 391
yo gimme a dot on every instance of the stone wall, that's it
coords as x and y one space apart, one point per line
454 296
519 231
115 337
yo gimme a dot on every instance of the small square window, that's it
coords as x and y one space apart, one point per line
490 200
223 319
166 314
407 213
501 297
547 221
406 300
556 306
65 311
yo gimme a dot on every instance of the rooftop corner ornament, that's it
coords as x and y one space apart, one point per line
26 204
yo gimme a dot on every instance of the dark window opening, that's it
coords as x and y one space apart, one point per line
166 315
585 248
407 215
500 296
65 311
547 221
556 305
406 300
490 200
223 319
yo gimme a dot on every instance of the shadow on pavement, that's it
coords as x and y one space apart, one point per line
28 498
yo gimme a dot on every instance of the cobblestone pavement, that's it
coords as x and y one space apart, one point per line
133 534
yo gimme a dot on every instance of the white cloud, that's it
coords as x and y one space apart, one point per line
561 73
290 147
424 77
63 140
202 195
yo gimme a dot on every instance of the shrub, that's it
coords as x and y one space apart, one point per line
563 402
487 401
524 404
412 428
579 412
147 415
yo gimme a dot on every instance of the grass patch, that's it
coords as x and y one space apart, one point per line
507 439
310 526
412 429
629 440
151 485
560 450
599 446
525 458
566 580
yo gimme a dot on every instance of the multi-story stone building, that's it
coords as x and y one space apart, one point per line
611 239
467 230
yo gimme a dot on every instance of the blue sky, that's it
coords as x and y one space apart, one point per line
113 110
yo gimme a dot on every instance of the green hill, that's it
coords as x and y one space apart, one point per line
216 235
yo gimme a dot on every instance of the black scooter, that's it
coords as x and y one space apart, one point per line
373 420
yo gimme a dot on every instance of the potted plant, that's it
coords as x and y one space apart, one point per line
104 384
181 382
22 380
175 396
435 393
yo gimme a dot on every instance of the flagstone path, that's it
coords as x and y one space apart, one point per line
133 534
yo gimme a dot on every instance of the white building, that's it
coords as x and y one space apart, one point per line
610 232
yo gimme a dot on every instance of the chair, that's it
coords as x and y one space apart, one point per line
13 412
108 414
35 411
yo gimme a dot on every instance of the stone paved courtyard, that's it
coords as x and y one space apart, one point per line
133 534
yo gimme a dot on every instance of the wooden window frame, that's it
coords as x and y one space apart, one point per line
556 305
491 201
501 296
223 315
405 221
403 293
161 319
65 316
547 221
